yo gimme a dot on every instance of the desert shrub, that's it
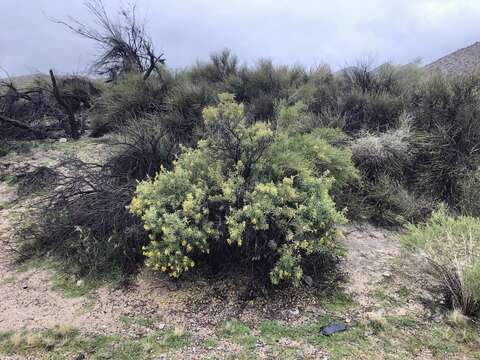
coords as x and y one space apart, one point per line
385 201
235 199
131 97
261 87
32 105
383 194
143 146
294 119
447 115
323 153
85 223
185 102
390 152
373 99
320 93
370 111
297 119
222 66
468 201
452 249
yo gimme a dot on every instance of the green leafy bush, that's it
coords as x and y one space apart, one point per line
240 197
452 248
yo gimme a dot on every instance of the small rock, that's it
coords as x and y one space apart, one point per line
387 274
80 282
375 315
80 356
294 312
402 312
259 344
24 286
62 140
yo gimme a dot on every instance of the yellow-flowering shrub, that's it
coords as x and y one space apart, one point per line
236 197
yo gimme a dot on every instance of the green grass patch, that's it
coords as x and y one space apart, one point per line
73 288
339 345
239 333
128 320
61 342
209 343
173 339
337 302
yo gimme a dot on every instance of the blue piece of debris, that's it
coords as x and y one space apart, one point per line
333 328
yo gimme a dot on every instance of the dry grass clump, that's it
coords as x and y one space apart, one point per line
452 249
389 152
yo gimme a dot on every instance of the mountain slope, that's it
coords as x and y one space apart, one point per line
462 61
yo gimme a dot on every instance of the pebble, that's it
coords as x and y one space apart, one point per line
387 274
294 312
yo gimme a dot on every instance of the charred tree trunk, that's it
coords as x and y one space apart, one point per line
72 122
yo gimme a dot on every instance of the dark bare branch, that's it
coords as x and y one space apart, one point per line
74 133
22 125
125 45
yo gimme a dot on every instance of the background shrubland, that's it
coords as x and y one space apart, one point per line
223 163
393 142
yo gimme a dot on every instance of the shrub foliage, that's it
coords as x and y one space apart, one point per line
239 197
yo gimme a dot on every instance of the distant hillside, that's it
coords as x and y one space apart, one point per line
26 80
462 61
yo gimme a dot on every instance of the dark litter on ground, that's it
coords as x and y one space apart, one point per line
333 328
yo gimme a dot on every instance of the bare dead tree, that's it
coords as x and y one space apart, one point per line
72 122
10 94
7 100
125 45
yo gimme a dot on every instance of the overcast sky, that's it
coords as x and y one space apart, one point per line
337 32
